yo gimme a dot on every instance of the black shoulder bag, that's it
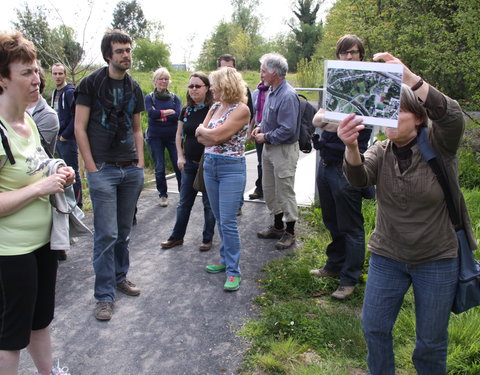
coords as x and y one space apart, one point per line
467 294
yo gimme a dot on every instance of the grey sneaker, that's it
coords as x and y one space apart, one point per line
322 272
343 292
163 202
128 288
271 232
286 241
104 311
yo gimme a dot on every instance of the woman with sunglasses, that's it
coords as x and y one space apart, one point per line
223 133
189 151
163 109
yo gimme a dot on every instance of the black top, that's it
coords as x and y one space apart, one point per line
192 118
112 106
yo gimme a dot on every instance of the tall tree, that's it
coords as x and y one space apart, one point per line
437 39
128 16
150 55
306 29
53 45
244 16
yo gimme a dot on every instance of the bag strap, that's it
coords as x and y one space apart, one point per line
6 145
432 159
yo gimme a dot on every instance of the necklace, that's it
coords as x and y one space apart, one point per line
191 109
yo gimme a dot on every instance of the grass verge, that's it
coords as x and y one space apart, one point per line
301 330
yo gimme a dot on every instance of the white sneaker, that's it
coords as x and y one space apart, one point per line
163 202
57 370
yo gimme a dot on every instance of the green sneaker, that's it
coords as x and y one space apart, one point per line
215 268
232 283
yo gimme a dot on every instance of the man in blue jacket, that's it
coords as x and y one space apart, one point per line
63 103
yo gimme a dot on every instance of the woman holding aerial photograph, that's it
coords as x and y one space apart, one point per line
414 242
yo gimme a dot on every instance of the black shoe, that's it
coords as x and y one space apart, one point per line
256 195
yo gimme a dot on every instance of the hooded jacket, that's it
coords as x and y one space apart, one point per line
65 111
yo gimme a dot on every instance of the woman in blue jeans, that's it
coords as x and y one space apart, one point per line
189 150
414 242
163 108
223 133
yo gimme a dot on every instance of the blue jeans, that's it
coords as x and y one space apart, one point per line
342 215
434 284
68 151
157 146
114 192
187 199
225 179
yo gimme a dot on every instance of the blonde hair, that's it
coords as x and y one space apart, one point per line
229 84
160 72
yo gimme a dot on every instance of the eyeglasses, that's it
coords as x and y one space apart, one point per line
163 79
195 86
121 51
350 52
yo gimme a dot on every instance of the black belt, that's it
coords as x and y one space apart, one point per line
120 164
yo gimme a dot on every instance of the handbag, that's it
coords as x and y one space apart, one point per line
199 182
467 294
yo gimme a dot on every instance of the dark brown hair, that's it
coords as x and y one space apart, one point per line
14 47
348 41
208 96
113 36
227 57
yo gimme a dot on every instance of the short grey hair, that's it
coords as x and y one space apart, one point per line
275 63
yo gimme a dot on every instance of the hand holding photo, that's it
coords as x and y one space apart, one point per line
371 90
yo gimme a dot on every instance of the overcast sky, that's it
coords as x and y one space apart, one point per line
183 20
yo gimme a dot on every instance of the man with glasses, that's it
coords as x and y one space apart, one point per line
109 136
341 203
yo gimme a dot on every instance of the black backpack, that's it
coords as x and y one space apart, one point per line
305 117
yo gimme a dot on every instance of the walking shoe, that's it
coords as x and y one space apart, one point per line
128 288
216 268
256 195
232 283
205 246
271 232
322 272
57 370
342 292
163 201
104 311
286 241
171 242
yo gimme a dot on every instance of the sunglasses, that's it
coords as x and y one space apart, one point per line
195 86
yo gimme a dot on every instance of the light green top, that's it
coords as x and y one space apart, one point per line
29 228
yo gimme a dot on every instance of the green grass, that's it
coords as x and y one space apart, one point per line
301 330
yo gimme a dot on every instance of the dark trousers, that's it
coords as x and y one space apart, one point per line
342 215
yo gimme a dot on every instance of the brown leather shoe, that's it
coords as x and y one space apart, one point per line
205 246
343 292
172 242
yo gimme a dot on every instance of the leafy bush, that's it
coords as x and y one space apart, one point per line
309 73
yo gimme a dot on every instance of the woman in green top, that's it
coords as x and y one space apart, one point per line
27 265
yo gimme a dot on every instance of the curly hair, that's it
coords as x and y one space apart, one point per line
14 47
229 84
